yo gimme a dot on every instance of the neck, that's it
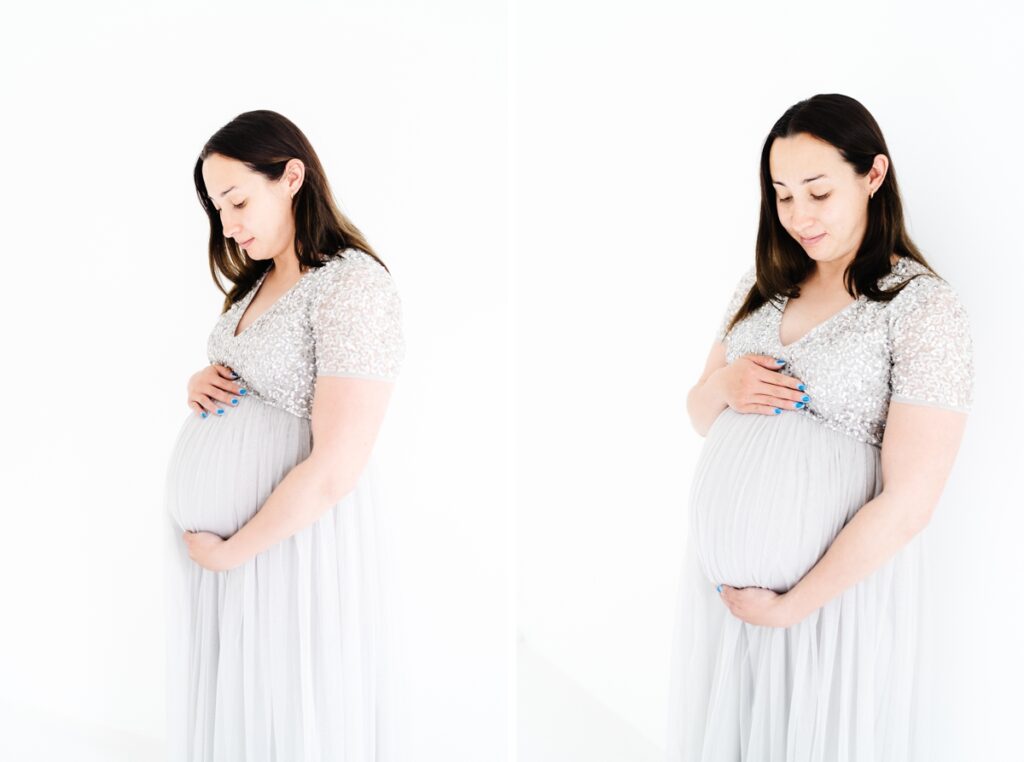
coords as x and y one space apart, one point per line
831 273
286 267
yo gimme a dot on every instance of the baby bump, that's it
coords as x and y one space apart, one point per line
222 468
770 494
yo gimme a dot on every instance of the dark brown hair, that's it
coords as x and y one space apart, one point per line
780 261
265 142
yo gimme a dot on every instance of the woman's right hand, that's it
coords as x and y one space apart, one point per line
213 389
752 384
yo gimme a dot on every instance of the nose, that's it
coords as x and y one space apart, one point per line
229 226
800 218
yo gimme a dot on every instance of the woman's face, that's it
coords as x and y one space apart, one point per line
255 212
821 201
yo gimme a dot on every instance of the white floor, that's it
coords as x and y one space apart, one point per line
559 721
30 735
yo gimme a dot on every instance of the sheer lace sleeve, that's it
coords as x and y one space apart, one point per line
932 357
739 295
357 321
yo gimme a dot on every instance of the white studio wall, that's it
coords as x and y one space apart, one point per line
109 303
565 194
638 135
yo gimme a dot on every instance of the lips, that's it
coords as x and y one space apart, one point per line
815 239
243 244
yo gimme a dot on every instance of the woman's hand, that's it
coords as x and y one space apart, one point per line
213 389
757 605
210 551
752 384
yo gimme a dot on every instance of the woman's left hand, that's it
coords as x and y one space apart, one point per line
757 605
209 551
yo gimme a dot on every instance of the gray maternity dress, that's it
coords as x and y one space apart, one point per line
281 659
769 495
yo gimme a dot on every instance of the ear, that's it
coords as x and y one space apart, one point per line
294 175
879 168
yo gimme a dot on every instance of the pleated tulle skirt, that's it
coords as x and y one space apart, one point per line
282 659
768 497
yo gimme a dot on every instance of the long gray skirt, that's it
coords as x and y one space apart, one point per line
768 497
281 659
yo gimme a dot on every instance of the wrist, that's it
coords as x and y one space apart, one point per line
713 390
794 605
231 553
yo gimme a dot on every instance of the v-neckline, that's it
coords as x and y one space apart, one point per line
235 334
813 328
785 301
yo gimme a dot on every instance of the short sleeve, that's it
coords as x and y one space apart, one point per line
357 321
739 296
932 353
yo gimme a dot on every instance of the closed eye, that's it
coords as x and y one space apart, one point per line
816 198
237 206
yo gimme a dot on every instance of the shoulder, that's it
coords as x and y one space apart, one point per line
354 263
744 284
354 275
922 287
927 307
748 278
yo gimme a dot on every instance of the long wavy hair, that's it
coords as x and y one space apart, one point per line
265 142
780 261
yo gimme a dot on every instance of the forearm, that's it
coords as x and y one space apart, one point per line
704 403
300 498
873 536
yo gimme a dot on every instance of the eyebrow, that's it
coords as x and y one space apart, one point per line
223 193
809 179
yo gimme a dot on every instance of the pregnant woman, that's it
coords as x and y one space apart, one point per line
832 403
275 643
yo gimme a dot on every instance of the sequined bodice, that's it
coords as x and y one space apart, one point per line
341 319
915 348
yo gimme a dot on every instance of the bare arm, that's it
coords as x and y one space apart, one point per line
347 415
918 451
705 400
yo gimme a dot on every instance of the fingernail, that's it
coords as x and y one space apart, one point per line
806 398
245 391
220 410
798 404
719 588
801 387
234 401
203 414
779 362
777 411
234 375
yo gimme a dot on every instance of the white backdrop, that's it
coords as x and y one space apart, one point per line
108 304
635 176
637 137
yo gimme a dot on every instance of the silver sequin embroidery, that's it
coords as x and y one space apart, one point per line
341 319
916 348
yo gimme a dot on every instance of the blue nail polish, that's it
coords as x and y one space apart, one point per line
798 404
777 411
801 387
220 410
203 414
780 362
806 398
234 401
719 588
243 391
